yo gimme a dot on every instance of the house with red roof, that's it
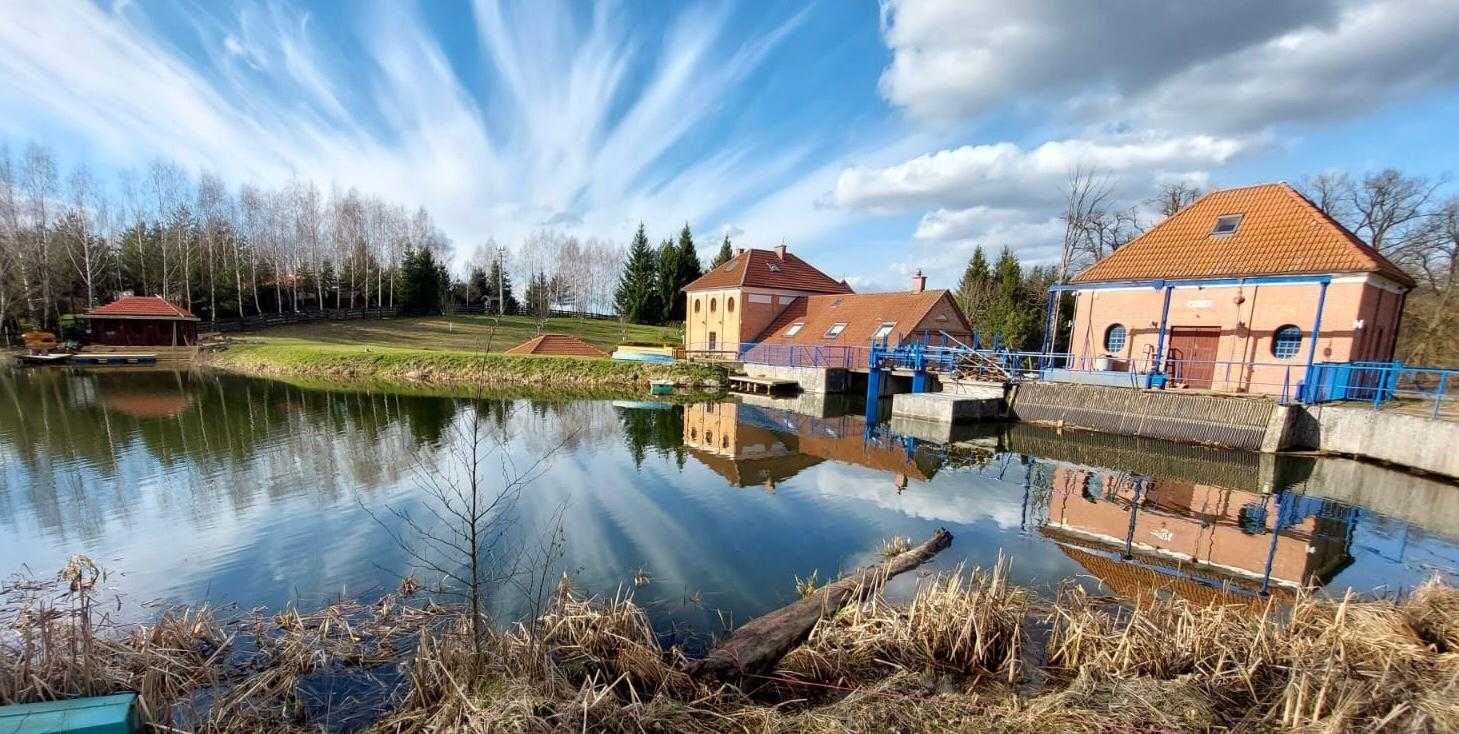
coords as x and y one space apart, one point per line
1241 291
138 321
770 300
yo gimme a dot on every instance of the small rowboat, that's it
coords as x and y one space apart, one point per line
661 387
42 359
628 356
99 715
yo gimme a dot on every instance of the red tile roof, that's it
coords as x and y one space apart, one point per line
563 345
1280 233
142 307
766 269
863 314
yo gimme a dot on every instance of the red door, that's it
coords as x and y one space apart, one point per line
1192 360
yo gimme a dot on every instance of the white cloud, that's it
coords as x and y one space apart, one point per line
1005 175
1229 66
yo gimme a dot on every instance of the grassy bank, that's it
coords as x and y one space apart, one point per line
960 656
381 366
462 333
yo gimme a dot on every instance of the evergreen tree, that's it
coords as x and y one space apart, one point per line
483 285
974 288
687 269
725 254
1008 312
665 280
636 297
424 283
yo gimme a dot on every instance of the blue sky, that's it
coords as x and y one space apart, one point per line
873 139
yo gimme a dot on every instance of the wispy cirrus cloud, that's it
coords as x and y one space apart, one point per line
568 119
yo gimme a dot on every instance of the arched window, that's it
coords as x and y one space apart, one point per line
712 303
729 304
693 434
709 437
1286 341
1114 338
697 303
724 441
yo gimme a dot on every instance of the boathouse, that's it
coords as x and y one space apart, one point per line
1241 291
142 321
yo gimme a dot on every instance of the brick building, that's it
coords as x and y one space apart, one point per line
1239 291
772 297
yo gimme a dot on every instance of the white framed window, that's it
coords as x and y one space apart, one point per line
795 328
1226 224
758 298
884 330
835 330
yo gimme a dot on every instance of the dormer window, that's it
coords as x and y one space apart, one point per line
835 330
1226 225
774 267
884 330
795 328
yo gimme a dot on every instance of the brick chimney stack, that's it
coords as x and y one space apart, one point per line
780 251
919 282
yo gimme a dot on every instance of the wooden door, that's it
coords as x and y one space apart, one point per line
1192 360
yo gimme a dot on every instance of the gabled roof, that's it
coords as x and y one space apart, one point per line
145 307
562 345
767 269
863 314
1280 233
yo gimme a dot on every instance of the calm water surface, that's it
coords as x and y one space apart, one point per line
192 487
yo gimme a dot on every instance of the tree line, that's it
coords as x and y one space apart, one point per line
70 243
650 288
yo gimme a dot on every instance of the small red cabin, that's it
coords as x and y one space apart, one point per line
142 321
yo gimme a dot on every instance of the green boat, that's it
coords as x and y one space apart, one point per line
98 715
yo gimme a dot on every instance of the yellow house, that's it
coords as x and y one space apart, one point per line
737 300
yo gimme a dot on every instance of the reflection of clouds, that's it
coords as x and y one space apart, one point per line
947 498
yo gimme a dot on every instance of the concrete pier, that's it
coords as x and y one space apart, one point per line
941 407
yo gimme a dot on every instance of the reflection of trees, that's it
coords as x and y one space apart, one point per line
660 430
78 447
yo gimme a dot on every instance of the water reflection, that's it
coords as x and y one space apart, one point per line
210 486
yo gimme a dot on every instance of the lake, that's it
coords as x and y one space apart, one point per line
202 486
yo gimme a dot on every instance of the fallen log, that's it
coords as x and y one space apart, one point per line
759 645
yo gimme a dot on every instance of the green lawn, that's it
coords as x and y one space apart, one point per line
460 333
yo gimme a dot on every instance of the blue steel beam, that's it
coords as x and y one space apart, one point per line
1186 282
1159 365
1316 329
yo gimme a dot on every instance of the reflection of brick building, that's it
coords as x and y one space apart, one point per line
1199 529
746 455
751 445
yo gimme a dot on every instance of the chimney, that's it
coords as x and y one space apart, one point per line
780 251
919 282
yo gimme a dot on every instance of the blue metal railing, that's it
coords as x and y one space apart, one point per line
1377 383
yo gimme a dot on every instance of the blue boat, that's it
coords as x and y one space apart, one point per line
98 715
628 356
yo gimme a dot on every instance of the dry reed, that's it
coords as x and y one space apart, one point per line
955 657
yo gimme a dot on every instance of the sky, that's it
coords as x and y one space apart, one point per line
873 139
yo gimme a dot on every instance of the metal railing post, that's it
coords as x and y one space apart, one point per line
1439 396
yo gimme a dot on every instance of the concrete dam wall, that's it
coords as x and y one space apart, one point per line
1231 421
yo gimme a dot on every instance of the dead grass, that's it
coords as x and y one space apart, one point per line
955 657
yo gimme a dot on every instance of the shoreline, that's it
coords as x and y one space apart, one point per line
969 651
454 373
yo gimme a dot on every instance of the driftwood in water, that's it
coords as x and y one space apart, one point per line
760 644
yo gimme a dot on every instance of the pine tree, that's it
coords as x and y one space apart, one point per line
725 254
538 296
664 280
686 270
636 297
424 283
1009 315
973 290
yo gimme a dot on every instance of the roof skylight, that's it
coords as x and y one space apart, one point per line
1227 224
